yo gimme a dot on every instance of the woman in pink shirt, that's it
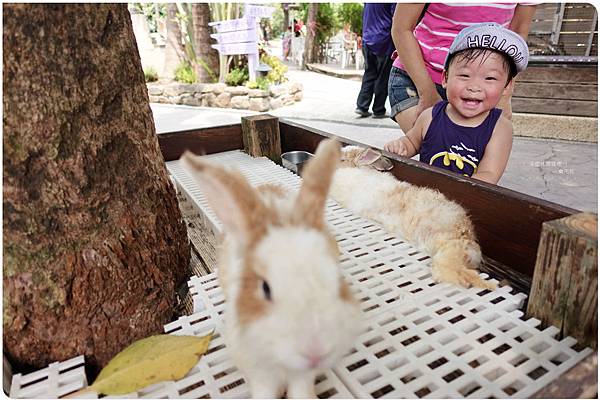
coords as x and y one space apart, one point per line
422 46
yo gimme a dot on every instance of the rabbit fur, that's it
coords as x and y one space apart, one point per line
289 313
423 216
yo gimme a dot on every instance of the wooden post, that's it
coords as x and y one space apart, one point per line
261 137
564 292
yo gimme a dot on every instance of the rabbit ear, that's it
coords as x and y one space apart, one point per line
316 178
230 196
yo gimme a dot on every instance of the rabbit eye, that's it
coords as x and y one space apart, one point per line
266 290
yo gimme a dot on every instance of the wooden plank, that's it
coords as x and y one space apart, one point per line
564 291
234 24
508 223
200 141
578 11
581 108
261 137
557 74
583 26
572 39
236 48
258 11
544 11
581 381
541 27
248 35
555 91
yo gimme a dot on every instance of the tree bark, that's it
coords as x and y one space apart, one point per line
174 52
207 58
286 16
311 23
94 244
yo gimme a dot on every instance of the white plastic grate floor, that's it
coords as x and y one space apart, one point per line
58 379
423 339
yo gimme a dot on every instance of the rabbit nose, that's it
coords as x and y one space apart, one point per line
313 360
314 356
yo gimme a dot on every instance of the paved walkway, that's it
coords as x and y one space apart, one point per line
558 171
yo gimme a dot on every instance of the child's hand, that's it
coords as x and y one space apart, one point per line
396 146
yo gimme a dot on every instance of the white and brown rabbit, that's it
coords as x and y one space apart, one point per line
289 313
423 216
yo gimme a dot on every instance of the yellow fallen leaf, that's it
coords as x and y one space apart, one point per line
150 360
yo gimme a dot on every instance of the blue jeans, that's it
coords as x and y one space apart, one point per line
403 92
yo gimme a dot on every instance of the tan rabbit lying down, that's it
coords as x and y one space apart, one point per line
289 313
423 216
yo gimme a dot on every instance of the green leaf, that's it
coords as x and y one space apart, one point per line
150 360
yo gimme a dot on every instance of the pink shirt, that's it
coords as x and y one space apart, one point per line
442 22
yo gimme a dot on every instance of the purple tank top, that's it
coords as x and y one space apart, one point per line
454 147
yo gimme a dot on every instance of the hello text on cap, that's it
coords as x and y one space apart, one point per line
489 35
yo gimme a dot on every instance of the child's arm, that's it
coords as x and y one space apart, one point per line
497 151
410 144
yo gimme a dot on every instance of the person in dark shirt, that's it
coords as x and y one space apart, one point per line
377 48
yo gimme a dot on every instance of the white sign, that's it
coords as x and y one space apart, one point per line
236 36
236 48
234 24
258 11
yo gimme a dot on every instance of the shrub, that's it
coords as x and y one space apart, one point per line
260 83
327 22
351 13
278 69
237 76
150 74
185 73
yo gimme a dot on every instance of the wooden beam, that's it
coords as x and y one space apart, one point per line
588 48
560 74
508 223
261 136
558 18
555 91
564 291
579 108
200 141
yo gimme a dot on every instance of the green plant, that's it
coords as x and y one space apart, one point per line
327 23
237 76
185 73
150 74
260 83
278 69
351 13
154 12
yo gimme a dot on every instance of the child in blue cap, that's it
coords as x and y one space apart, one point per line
467 134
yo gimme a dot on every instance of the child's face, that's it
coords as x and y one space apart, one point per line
475 86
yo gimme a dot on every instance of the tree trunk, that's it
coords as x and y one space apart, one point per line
94 244
174 52
286 16
311 23
207 58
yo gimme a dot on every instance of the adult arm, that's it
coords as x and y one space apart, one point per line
496 153
521 20
405 19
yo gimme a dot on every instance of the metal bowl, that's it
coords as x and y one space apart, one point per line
295 160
